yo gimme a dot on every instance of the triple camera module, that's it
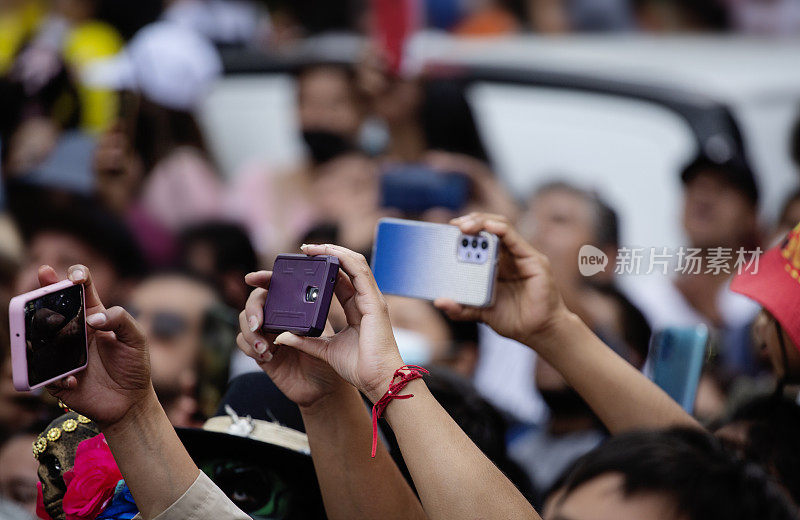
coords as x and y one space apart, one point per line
473 249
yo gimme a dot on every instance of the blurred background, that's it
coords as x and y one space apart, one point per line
173 146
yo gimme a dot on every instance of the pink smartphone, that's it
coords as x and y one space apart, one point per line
48 334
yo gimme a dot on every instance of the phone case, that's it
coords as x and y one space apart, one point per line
300 294
678 354
16 318
429 261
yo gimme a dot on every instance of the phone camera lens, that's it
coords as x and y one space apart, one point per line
474 242
465 242
312 293
484 244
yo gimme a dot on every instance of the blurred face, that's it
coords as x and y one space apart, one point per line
171 310
715 213
766 334
60 251
346 188
602 498
326 102
19 472
558 223
422 318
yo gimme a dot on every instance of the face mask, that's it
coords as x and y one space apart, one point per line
415 349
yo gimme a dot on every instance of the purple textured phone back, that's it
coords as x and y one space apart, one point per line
300 293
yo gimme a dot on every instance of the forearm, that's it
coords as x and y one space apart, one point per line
151 458
621 396
453 477
353 484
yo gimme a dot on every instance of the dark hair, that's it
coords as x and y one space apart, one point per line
229 243
636 330
37 210
773 434
735 171
690 466
158 130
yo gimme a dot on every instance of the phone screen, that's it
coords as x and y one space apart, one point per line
55 334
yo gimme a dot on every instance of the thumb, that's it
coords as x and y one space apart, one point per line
314 347
117 320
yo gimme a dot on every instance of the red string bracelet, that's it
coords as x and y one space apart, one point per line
406 373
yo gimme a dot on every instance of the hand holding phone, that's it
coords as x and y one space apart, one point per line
430 261
48 334
104 380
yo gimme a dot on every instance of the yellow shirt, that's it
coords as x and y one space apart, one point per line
85 43
16 26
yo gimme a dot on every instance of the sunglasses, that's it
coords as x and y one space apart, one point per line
164 325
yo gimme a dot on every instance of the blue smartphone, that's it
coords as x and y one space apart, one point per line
677 354
429 261
416 188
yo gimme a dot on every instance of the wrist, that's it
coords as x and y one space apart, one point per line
330 401
553 332
144 410
380 384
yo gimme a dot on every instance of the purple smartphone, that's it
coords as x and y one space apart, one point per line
300 293
48 334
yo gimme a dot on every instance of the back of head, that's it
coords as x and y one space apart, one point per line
772 439
689 469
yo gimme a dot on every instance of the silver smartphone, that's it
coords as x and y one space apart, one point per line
429 261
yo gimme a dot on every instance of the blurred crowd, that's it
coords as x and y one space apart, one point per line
105 164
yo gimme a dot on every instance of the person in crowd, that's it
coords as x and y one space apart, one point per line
773 284
765 430
678 473
58 229
787 218
18 471
277 207
571 430
221 253
560 219
189 374
720 220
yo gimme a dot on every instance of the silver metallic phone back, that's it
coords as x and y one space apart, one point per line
429 261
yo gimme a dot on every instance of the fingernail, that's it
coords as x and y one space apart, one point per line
266 356
283 337
303 246
253 322
260 347
95 320
78 275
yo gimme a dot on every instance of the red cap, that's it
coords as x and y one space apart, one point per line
774 282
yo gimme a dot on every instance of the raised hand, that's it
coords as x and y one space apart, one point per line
364 353
117 377
302 378
526 301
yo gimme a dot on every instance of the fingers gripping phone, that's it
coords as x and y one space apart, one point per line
300 293
48 334
678 354
429 261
